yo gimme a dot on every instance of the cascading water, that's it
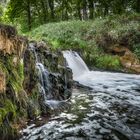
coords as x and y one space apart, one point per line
44 81
109 88
76 63
96 79
46 86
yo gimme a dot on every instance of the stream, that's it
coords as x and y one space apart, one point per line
110 110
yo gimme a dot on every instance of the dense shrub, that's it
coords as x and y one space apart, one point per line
108 62
94 38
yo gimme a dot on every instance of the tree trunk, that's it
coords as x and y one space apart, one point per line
51 5
91 9
44 11
79 12
62 13
85 15
106 10
39 13
66 15
66 10
29 14
138 6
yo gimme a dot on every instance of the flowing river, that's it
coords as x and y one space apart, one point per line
109 110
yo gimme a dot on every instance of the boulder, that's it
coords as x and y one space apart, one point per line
127 58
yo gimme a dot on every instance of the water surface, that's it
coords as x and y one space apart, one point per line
110 111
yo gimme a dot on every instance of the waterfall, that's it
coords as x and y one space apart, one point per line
43 75
44 80
96 79
45 88
76 63
32 47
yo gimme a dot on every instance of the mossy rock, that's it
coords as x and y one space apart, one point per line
7 107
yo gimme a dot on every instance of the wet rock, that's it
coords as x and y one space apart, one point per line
33 85
13 105
105 87
67 93
47 77
31 111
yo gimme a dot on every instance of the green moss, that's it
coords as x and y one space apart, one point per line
14 79
8 106
14 73
3 68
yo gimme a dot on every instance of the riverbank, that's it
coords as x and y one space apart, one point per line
110 43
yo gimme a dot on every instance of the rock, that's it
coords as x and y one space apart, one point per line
10 42
67 94
41 44
14 101
29 81
127 58
44 68
70 84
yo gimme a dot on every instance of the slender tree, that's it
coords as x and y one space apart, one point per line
91 8
84 9
51 6
28 10
31 13
136 5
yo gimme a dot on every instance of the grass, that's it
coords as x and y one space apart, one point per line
93 38
108 62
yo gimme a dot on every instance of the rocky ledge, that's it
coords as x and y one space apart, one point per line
33 81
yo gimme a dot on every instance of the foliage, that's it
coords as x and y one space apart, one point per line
14 77
1 11
93 38
63 33
8 111
28 14
13 101
108 62
137 50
